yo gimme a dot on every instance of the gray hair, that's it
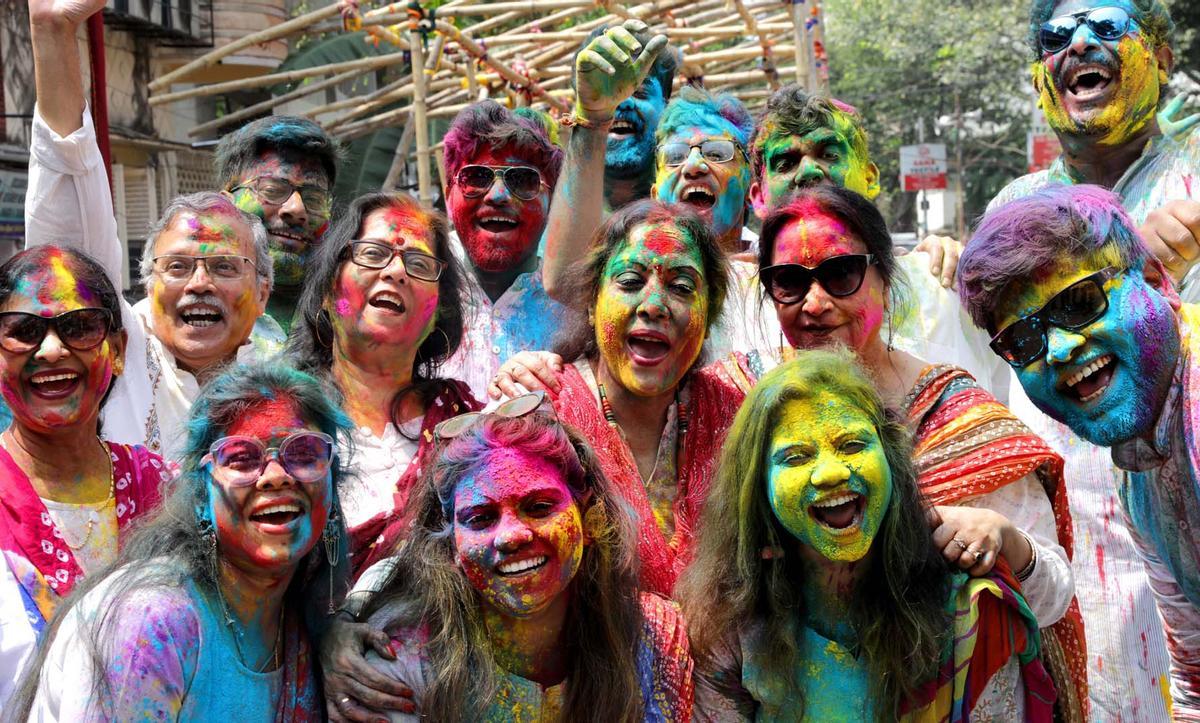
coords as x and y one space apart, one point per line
208 203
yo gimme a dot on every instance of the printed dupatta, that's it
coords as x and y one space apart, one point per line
967 444
299 701
991 625
713 399
378 537
35 549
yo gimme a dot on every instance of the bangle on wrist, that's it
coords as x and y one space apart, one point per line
1025 572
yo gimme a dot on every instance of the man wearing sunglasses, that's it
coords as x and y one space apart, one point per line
502 168
206 266
282 169
1101 69
1091 325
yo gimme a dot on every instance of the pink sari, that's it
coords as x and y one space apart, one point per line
33 547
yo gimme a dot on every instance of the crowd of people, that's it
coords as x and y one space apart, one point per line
654 423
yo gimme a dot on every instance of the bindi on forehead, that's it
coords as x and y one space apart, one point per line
268 419
395 224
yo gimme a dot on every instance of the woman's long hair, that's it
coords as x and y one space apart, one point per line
310 345
899 609
604 619
586 276
172 535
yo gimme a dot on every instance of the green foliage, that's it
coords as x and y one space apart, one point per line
900 63
1186 14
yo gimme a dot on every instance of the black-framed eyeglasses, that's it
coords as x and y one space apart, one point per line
78 329
179 268
512 409
1108 23
524 182
713 150
276 191
1073 308
839 275
239 461
371 254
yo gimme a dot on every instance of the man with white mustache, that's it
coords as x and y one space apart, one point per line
206 266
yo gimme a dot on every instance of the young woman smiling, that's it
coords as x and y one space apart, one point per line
207 612
517 596
380 311
66 496
795 617
827 263
653 284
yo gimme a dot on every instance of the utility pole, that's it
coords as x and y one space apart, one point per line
959 205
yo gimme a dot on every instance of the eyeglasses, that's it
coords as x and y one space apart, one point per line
524 182
80 329
1108 23
240 461
377 255
1073 308
178 269
839 275
713 150
512 409
276 191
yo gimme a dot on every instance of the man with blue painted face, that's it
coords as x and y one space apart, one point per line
1101 69
1089 321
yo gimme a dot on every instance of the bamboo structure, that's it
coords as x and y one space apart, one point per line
432 62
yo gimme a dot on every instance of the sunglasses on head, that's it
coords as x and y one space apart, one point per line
713 150
840 276
239 461
524 182
1108 23
1073 308
81 329
512 409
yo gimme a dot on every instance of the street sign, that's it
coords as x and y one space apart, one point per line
923 167
1041 144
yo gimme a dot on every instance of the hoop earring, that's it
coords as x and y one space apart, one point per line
323 315
332 541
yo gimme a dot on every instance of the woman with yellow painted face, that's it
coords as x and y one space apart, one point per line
652 286
815 594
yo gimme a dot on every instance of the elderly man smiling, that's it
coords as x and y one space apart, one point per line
206 266
1090 323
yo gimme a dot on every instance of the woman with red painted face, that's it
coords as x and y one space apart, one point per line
67 497
207 612
380 312
517 596
827 264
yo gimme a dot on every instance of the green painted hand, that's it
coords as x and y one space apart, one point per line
1172 121
611 68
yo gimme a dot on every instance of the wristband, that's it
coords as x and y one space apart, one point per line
570 121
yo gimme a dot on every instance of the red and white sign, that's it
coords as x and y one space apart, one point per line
1042 145
923 167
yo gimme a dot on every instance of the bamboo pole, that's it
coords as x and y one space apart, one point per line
212 58
472 80
401 154
270 103
359 64
417 49
474 49
803 46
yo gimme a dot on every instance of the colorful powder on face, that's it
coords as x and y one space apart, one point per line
730 179
269 419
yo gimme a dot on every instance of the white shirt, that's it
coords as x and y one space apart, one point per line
377 465
150 401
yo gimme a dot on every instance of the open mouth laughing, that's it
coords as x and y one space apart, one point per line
521 567
388 301
647 347
277 516
1089 382
622 128
840 513
288 241
496 223
700 197
201 316
1089 82
54 384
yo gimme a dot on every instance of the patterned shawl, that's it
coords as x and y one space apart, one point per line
35 549
300 699
992 624
379 536
713 399
967 444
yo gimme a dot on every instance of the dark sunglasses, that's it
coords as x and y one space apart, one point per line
1073 308
81 329
713 150
839 275
377 255
524 182
1108 23
512 409
240 461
